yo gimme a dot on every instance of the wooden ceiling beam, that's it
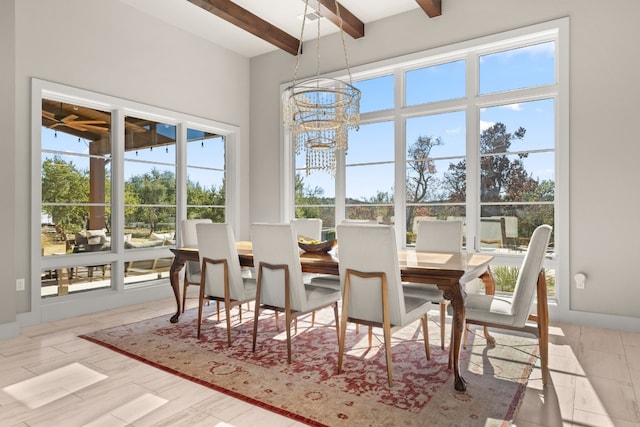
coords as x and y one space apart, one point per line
251 23
432 8
350 23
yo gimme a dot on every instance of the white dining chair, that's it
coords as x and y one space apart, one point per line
308 227
373 293
280 286
312 228
436 236
190 240
221 276
514 313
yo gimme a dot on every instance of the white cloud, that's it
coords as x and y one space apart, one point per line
514 107
486 125
453 131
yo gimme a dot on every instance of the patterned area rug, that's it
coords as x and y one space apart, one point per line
310 390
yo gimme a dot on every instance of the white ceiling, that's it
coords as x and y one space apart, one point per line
281 13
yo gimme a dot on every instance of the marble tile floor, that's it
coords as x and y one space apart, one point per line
50 377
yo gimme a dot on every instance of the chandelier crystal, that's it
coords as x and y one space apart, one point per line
318 112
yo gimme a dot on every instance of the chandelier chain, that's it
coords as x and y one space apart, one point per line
344 43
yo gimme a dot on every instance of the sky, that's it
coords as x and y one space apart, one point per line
499 72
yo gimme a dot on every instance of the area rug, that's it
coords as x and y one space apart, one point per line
311 391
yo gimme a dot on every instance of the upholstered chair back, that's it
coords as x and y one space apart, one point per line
371 249
277 244
439 236
525 288
216 242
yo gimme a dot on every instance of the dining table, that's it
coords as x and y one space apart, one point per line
448 271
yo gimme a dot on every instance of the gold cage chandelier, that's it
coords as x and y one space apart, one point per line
320 111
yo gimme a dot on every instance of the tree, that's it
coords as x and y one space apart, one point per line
64 183
309 202
155 190
198 195
421 174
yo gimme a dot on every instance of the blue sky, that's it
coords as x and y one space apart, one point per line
499 72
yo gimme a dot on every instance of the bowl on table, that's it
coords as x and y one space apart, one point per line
316 247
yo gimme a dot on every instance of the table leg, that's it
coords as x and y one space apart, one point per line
454 294
174 278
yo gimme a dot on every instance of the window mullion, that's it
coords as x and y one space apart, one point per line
473 153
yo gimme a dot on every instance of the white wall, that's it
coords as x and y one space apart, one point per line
7 165
111 48
604 151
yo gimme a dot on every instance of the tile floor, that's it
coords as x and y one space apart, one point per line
595 381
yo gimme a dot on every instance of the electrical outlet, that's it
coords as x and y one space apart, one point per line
19 284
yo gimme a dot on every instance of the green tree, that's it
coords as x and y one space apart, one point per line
63 182
197 195
155 191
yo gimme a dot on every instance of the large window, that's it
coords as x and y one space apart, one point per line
115 179
472 134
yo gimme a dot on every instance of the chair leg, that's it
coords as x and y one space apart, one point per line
287 316
443 322
227 311
218 310
425 332
313 319
370 335
200 301
386 329
335 314
256 313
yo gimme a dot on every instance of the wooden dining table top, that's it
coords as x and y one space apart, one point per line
414 265
448 270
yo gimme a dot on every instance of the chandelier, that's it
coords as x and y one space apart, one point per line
318 112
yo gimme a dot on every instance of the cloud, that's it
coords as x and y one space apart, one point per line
453 131
484 125
514 107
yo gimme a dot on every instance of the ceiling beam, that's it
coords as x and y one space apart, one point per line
432 8
251 23
350 23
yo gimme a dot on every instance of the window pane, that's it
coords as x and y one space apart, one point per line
378 213
436 83
377 93
146 270
74 279
76 175
436 168
523 126
205 175
447 212
150 182
511 226
518 68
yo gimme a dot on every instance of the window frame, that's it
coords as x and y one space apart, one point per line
471 51
118 256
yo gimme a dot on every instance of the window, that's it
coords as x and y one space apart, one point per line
473 136
206 175
116 178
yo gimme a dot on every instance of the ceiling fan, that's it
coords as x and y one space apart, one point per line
71 122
